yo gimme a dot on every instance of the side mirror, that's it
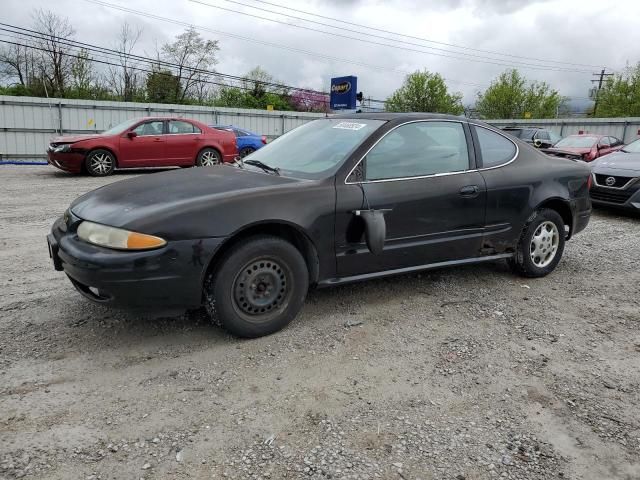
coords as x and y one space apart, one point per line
375 229
132 134
537 143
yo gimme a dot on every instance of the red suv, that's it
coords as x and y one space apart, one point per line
143 142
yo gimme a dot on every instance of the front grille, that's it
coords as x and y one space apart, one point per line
619 181
611 196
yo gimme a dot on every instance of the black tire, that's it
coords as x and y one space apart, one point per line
533 258
208 157
100 163
244 151
258 287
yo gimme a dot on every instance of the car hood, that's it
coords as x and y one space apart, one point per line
618 161
158 203
74 138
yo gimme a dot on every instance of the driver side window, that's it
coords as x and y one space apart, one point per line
418 149
149 128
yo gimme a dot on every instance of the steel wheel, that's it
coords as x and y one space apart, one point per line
261 287
544 244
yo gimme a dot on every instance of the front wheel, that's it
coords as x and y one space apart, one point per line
100 163
541 245
208 157
258 288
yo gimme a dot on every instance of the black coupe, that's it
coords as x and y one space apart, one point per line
616 178
337 200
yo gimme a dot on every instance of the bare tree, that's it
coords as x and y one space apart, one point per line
17 64
124 80
54 63
193 58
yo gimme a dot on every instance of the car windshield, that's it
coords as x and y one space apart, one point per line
121 127
317 148
577 141
633 147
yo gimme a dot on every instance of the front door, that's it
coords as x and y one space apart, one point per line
146 149
423 174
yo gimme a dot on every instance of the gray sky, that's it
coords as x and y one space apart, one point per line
567 32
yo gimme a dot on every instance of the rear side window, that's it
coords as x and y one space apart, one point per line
176 126
495 149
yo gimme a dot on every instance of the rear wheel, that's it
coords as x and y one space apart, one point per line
100 163
208 157
541 245
244 151
258 288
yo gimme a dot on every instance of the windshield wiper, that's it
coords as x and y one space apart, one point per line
263 166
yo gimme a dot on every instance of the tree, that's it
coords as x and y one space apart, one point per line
162 86
511 96
54 61
124 80
17 64
424 92
193 58
82 74
620 95
306 101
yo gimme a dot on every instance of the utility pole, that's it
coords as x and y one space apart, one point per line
599 80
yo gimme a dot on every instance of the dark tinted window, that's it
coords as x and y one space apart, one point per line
177 127
417 149
495 148
149 128
239 133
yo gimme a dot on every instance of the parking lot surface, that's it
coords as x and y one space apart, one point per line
467 373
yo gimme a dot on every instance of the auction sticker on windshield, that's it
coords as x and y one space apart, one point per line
350 125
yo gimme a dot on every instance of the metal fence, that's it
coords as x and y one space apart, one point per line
626 129
28 123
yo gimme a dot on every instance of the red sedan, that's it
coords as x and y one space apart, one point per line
588 146
143 142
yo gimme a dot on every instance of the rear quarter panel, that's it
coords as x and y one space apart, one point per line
517 190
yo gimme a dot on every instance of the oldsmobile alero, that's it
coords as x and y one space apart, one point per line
336 200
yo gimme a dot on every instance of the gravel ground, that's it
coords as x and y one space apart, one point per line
467 373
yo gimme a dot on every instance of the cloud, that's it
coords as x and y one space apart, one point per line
567 31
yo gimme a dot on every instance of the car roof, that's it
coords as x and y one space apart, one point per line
385 116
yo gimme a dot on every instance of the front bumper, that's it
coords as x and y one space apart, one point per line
71 162
168 277
627 197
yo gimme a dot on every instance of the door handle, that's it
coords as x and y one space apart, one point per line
469 191
157 139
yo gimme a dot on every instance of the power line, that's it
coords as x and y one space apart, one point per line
315 55
154 62
416 38
349 37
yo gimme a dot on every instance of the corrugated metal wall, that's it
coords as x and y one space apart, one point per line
28 123
626 129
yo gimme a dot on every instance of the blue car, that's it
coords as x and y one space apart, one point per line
248 142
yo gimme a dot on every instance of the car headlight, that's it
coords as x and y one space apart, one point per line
62 148
117 238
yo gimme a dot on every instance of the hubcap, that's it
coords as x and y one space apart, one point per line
544 244
260 287
209 158
101 163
